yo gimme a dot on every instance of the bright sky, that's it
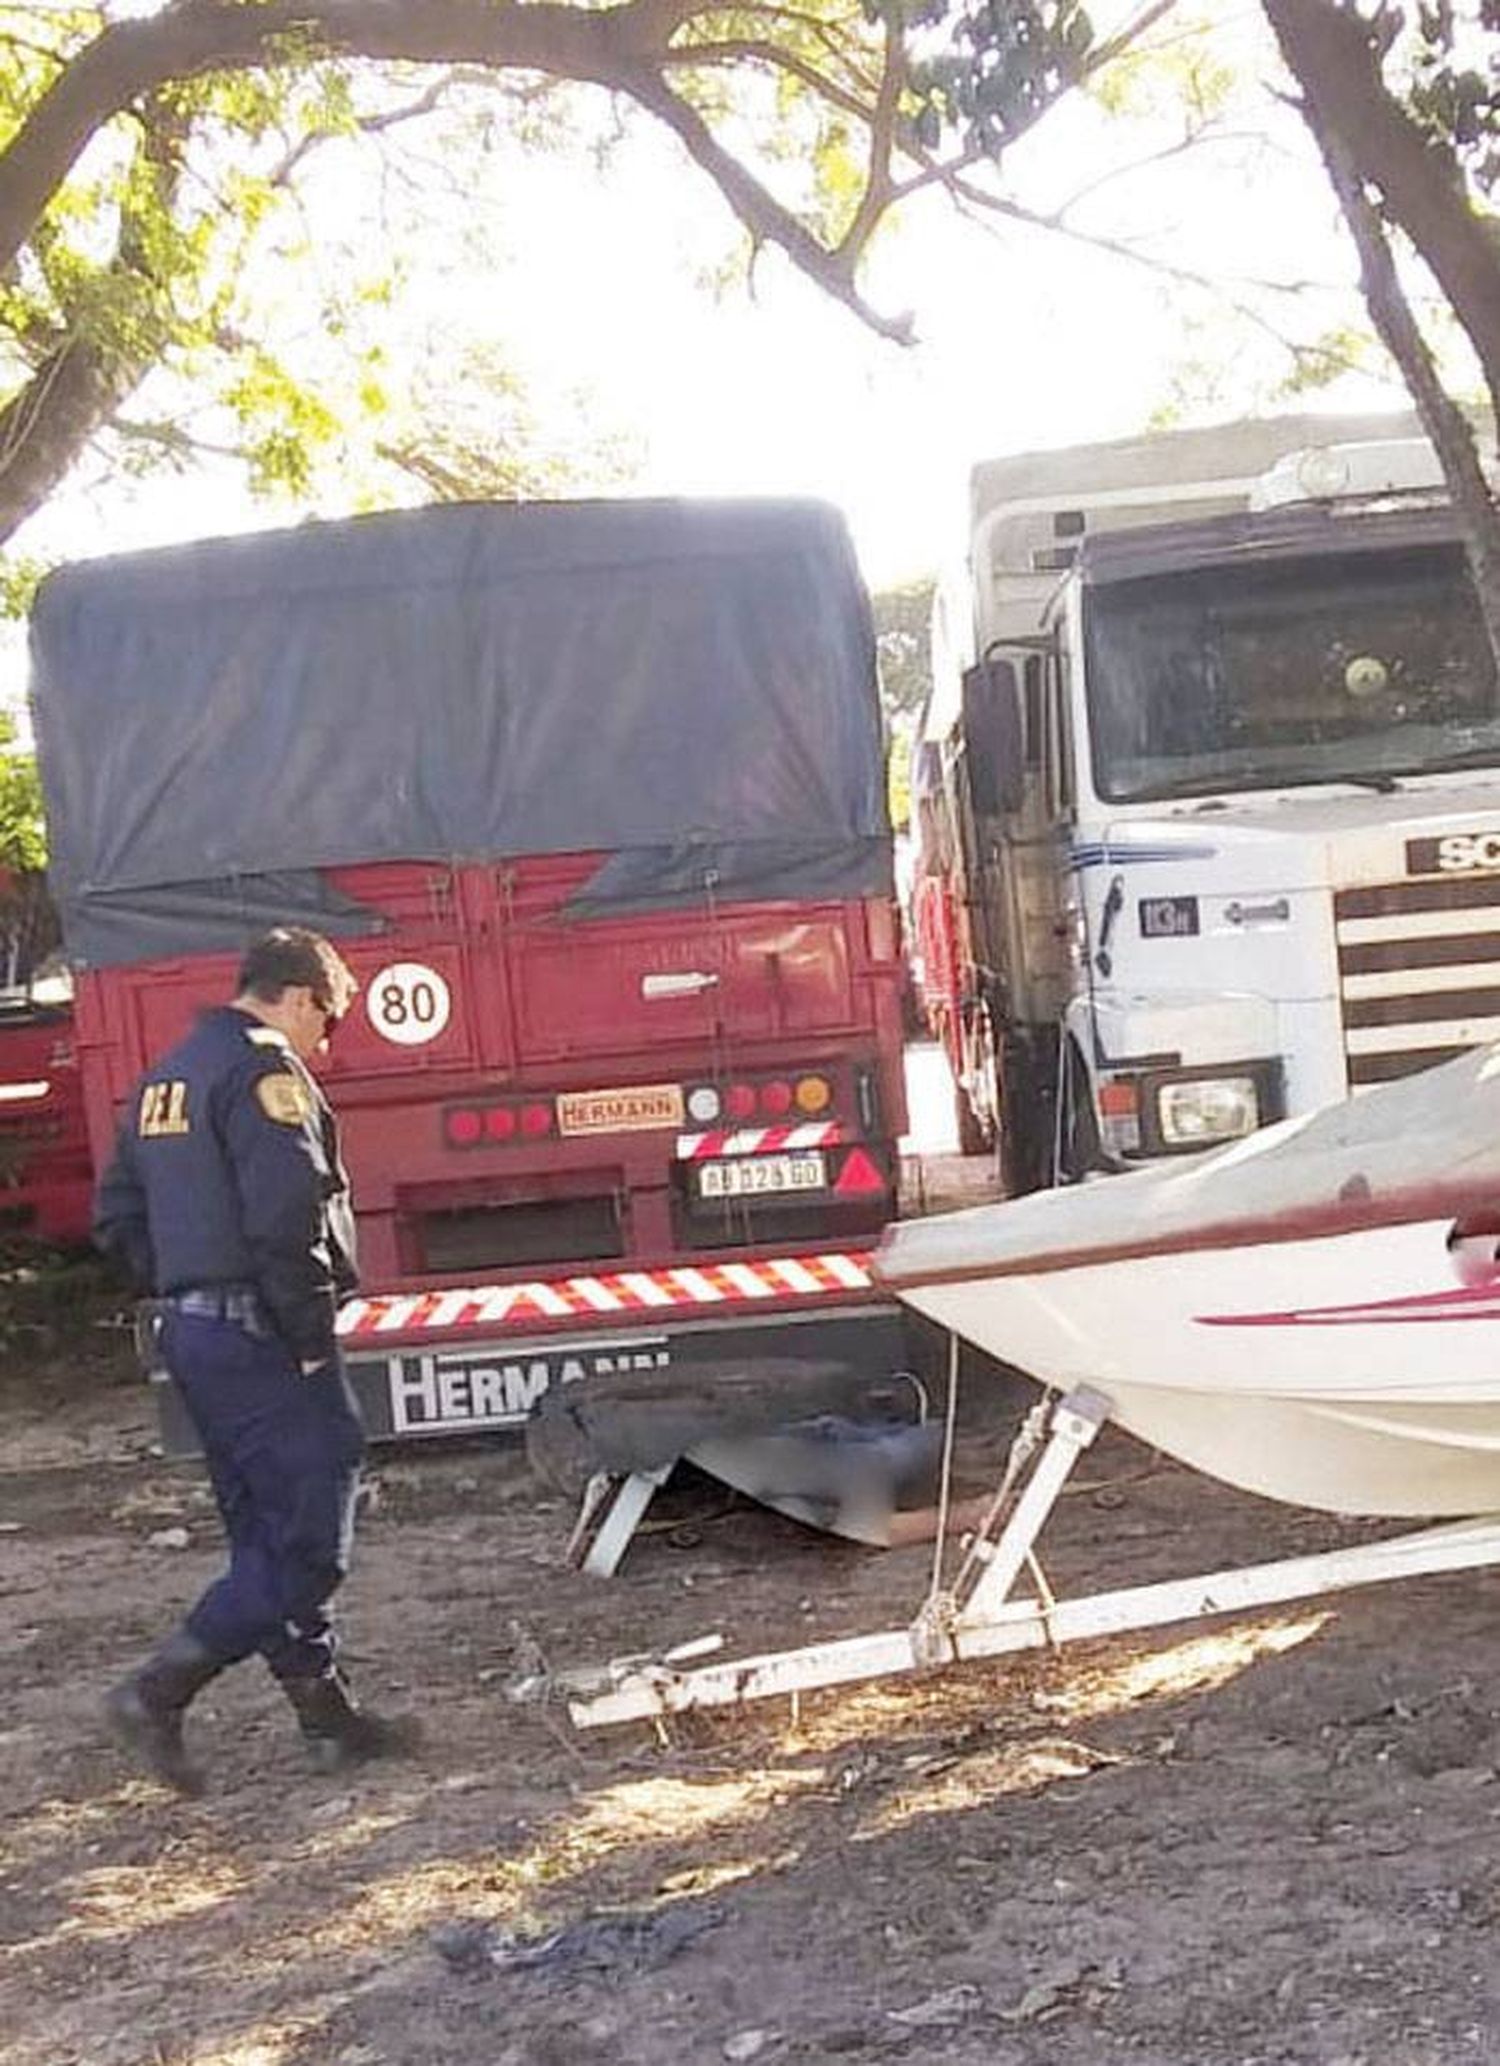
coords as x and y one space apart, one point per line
1026 339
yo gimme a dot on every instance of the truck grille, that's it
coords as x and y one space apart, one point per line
1419 972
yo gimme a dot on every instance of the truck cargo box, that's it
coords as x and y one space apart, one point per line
592 798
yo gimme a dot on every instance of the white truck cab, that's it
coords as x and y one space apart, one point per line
1216 745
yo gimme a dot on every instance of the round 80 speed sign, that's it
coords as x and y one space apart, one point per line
408 1003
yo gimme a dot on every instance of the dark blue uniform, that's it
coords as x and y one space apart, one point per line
227 1199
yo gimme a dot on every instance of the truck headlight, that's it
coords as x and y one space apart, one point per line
1204 1109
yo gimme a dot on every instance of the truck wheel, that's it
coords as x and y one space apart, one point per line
1080 1152
1025 1127
974 1137
976 1130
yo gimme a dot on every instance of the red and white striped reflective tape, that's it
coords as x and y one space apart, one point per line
759 1140
689 1286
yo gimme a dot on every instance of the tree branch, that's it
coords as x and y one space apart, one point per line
824 32
425 103
48 52
686 55
933 172
762 215
879 183
1192 140
979 198
622 48
188 38
440 481
171 437
1127 37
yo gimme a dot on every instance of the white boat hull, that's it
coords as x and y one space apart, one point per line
1356 1373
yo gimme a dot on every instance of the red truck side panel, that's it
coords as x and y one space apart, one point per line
937 943
46 1173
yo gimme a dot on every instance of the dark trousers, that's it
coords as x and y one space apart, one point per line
283 1453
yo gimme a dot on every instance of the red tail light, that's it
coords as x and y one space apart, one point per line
1119 1098
739 1100
500 1122
776 1098
463 1127
536 1120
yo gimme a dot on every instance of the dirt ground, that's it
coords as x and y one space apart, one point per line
1272 1841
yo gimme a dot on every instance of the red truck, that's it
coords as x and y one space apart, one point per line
591 796
46 1174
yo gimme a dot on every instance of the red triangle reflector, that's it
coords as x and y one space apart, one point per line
858 1176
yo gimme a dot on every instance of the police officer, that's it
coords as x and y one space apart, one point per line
227 1199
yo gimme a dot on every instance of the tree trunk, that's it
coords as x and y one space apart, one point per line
1365 139
42 431
1336 62
79 385
1445 423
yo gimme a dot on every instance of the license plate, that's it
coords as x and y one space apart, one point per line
636 1110
753 1176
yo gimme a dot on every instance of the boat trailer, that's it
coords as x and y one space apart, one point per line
975 1615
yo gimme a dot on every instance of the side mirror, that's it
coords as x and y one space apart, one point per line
992 735
51 988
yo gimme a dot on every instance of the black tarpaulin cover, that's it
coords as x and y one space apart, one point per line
689 687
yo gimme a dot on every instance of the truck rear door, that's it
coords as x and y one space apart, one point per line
693 977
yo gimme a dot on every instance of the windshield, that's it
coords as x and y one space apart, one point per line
1361 668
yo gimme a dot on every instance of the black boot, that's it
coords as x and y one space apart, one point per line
339 1734
145 1711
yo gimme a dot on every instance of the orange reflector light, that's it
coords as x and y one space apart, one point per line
813 1094
1117 1099
858 1177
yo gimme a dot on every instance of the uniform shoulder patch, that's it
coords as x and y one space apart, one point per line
282 1098
163 1110
265 1036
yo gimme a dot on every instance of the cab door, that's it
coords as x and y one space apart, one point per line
1018 831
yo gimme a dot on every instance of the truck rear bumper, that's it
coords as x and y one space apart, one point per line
471 1387
472 1360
